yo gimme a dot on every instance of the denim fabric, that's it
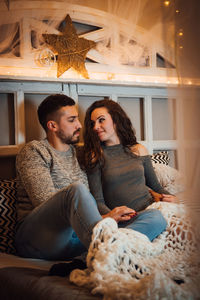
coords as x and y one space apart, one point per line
61 228
149 222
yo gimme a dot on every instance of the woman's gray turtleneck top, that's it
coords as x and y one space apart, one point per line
124 179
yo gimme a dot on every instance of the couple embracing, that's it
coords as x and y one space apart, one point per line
64 190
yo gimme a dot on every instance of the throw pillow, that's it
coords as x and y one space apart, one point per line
161 157
170 178
7 215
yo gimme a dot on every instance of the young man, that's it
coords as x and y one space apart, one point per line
56 212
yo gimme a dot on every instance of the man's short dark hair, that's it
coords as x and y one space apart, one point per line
50 105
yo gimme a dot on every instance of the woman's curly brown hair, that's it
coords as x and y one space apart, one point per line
92 150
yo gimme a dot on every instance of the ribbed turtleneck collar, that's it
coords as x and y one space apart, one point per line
113 148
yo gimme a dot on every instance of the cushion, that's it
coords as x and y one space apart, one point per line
7 215
170 178
161 157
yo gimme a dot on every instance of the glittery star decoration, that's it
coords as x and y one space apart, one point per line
71 50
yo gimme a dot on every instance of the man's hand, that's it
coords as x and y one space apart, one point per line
121 213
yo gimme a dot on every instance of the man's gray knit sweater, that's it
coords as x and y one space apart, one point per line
41 172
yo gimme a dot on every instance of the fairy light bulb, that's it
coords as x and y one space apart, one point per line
47 58
166 3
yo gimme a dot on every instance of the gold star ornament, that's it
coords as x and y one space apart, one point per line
71 50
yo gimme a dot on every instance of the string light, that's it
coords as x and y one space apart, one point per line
47 58
166 3
110 76
180 34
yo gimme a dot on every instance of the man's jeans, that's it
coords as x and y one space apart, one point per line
61 228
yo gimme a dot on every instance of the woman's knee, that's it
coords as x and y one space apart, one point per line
157 218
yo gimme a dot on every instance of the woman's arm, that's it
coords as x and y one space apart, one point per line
163 197
95 185
157 191
121 214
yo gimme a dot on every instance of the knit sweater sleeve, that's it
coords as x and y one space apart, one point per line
33 169
95 185
150 176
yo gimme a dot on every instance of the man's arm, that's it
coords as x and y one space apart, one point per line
33 168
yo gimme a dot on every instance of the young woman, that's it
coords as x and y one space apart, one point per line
120 171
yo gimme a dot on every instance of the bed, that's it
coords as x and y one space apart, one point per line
107 272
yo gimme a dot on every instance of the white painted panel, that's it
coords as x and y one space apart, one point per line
42 87
148 131
32 126
162 119
31 86
134 109
162 144
120 90
9 86
19 118
7 122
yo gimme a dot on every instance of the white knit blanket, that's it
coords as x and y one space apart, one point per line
124 264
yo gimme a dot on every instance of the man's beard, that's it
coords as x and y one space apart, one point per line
70 139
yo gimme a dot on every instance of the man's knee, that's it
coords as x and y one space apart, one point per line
77 193
77 188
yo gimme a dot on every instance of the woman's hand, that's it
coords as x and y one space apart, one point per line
121 213
163 197
169 198
156 196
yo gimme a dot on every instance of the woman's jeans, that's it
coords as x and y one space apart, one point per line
149 222
61 228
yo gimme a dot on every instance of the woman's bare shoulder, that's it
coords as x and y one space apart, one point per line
139 150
